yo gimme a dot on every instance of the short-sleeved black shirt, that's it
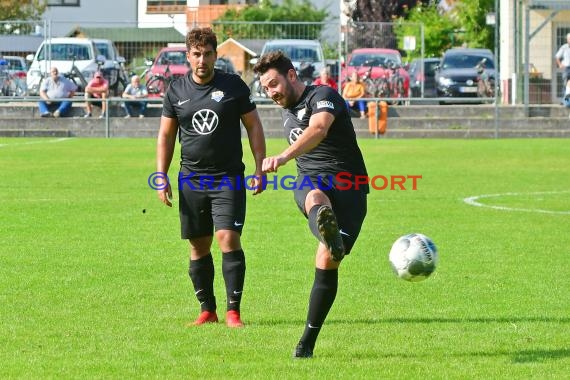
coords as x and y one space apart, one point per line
339 151
209 122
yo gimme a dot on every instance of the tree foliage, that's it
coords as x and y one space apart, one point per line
20 10
269 20
463 25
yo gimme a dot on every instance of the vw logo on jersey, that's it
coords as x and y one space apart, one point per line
294 135
205 121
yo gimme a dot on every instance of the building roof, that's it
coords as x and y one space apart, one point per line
132 34
19 44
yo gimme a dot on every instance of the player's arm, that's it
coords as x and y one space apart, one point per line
252 124
319 125
164 152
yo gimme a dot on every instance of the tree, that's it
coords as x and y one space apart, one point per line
464 24
20 10
268 20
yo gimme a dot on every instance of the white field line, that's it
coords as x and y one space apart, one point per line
37 142
474 201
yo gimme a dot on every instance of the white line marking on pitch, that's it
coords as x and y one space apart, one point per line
37 142
473 201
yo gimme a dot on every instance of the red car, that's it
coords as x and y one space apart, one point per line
172 57
380 69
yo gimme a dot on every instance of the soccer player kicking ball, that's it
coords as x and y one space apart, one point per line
204 109
322 140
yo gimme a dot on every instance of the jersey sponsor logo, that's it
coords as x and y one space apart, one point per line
294 135
325 104
205 121
217 95
301 113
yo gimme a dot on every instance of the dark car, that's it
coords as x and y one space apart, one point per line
225 65
422 73
458 75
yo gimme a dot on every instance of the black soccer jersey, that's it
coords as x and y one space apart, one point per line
209 122
338 152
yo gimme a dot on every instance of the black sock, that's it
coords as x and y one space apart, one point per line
233 269
322 297
313 222
202 275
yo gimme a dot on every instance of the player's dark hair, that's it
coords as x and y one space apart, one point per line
274 60
201 37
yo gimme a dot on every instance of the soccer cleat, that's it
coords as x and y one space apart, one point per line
328 228
302 352
233 319
205 317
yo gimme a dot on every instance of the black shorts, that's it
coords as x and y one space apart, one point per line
208 203
349 206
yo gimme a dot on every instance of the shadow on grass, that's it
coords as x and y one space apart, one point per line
530 356
337 321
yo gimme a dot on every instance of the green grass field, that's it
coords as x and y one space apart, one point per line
94 284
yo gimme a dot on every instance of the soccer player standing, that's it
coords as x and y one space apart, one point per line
322 141
205 108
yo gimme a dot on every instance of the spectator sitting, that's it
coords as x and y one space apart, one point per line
354 90
325 79
135 90
56 87
98 87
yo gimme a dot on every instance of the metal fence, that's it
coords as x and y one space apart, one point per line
240 41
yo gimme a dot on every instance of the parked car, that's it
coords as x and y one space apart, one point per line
379 66
306 55
422 73
457 75
225 64
63 53
171 59
16 65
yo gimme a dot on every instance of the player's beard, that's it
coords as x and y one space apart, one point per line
204 72
287 98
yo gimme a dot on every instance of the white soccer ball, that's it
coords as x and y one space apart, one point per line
413 257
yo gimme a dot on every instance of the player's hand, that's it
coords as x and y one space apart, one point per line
270 164
258 183
165 195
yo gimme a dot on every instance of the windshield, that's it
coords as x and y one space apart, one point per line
173 58
66 52
297 53
373 59
464 61
104 50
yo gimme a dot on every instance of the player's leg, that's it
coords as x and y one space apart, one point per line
228 210
350 209
197 226
316 205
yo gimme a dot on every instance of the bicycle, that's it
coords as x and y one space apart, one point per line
118 78
76 76
10 84
157 84
396 82
485 84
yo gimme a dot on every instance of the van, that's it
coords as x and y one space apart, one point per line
301 53
63 53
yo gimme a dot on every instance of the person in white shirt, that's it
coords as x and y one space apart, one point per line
136 91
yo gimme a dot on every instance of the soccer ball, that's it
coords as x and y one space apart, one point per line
413 257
